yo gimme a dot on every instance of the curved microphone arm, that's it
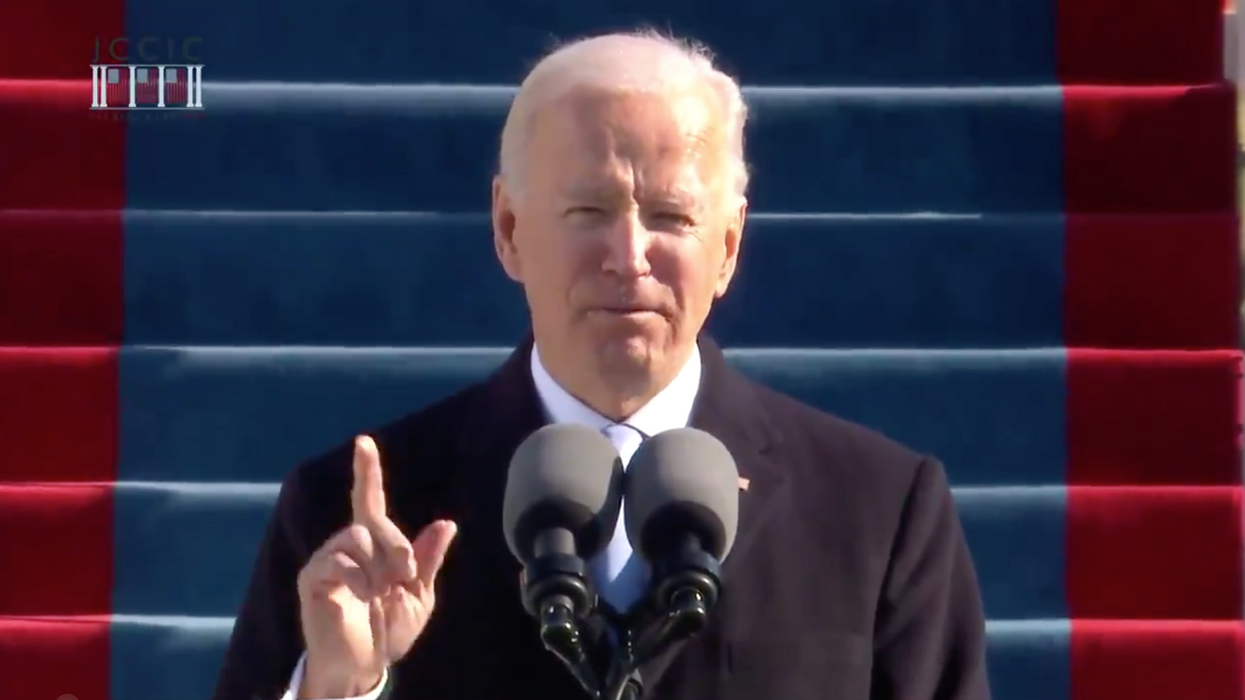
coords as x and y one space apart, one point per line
556 593
685 612
623 679
561 634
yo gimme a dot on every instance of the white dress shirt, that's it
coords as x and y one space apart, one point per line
669 409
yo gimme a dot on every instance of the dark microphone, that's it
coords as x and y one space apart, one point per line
563 497
682 511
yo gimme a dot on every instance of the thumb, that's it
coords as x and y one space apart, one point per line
367 493
430 549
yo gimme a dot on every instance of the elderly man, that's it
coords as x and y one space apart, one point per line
619 209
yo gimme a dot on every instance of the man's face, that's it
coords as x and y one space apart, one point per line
626 228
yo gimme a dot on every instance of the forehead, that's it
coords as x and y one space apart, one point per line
592 135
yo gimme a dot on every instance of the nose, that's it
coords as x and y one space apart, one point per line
628 245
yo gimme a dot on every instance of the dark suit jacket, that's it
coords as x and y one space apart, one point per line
849 578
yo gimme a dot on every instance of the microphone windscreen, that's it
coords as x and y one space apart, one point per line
567 477
679 483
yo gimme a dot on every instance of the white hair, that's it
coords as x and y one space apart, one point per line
646 61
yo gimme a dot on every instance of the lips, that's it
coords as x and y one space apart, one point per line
628 310
628 304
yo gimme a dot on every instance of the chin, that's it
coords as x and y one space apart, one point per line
628 341
629 346
628 350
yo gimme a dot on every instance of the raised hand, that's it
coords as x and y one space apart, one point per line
368 592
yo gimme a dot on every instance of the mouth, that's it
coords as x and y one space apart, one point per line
628 311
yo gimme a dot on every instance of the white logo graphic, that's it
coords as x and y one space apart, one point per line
132 87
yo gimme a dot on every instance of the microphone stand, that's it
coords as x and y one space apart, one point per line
561 634
688 596
622 682
556 593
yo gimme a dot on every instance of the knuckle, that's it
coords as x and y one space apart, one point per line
311 574
358 540
304 578
393 539
341 561
358 534
398 546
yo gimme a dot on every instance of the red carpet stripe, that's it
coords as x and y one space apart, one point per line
1151 281
71 158
60 278
58 409
1151 550
1154 553
1153 418
55 40
1162 150
68 549
1139 42
1125 660
42 658
65 562
58 413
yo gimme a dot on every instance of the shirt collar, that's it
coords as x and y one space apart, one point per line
671 408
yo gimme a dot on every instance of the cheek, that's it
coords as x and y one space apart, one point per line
545 246
687 270
558 265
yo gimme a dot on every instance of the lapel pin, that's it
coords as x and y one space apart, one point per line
743 484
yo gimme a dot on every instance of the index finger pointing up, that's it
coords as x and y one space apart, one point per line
367 494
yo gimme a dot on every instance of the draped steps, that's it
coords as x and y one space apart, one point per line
1004 233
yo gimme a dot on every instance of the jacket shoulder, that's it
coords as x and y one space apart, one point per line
829 448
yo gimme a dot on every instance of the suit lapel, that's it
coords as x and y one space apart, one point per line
727 408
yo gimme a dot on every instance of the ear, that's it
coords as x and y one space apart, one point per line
503 231
731 241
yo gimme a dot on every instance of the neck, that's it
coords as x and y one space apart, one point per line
615 392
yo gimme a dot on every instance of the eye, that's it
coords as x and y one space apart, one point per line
676 217
589 211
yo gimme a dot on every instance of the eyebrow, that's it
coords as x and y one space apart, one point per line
580 190
612 190
676 195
